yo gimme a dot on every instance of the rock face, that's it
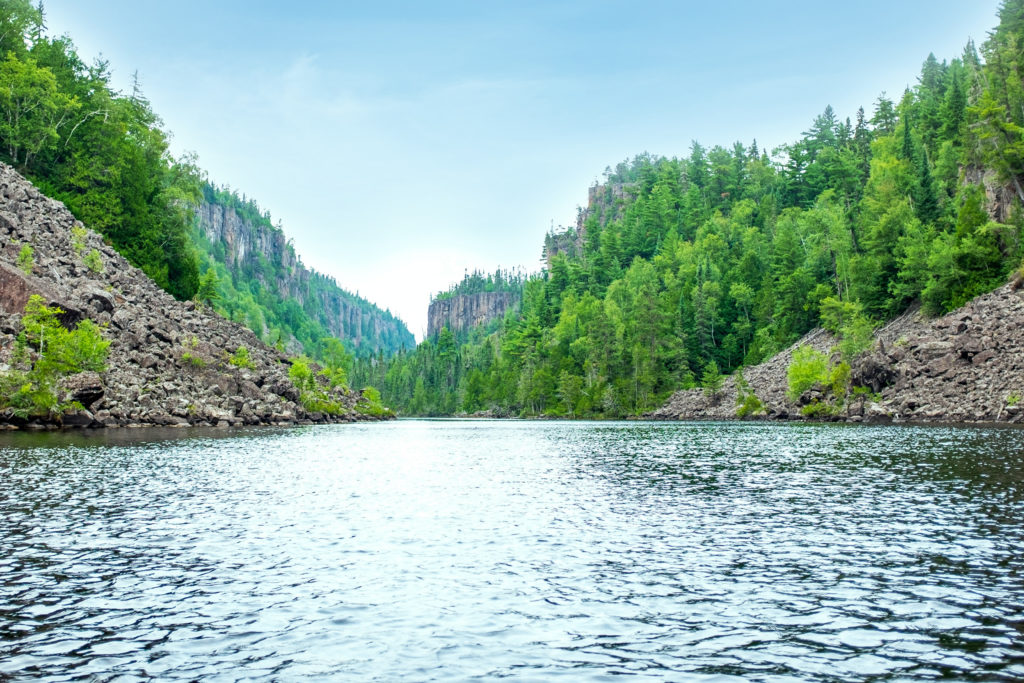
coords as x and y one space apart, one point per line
967 366
605 203
167 362
263 252
465 311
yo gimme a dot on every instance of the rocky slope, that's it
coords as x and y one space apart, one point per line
967 366
256 250
167 361
465 311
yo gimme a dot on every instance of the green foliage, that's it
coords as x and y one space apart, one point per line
712 379
747 402
337 362
1013 399
312 395
807 369
45 353
78 235
818 409
839 379
240 359
207 292
846 319
193 359
26 259
369 403
477 282
93 261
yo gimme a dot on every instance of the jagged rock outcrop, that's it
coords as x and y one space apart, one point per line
999 197
605 203
262 252
168 360
967 366
465 311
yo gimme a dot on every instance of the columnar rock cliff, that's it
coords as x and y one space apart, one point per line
257 250
967 366
168 360
465 311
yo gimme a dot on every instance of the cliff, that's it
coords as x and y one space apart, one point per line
168 361
967 366
605 203
464 311
251 250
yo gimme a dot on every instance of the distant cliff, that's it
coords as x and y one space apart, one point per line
265 285
465 311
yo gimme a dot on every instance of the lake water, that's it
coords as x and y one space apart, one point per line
454 550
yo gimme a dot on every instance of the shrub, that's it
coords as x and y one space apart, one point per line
839 379
819 409
747 402
32 388
370 404
78 235
241 359
807 368
312 396
94 262
26 259
193 360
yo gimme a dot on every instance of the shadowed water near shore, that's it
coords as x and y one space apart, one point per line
420 550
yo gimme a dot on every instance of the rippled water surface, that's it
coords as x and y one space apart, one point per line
423 550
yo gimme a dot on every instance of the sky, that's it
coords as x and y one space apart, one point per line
401 144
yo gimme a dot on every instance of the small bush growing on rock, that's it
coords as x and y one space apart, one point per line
1012 399
240 359
312 396
747 402
370 404
94 262
839 379
31 387
26 259
78 235
819 409
193 360
807 368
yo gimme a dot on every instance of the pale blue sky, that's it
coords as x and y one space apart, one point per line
402 143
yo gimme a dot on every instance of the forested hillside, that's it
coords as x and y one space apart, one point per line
252 275
691 267
105 155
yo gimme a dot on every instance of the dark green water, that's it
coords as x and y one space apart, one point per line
438 550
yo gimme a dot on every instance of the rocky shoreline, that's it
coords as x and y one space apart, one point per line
964 367
169 362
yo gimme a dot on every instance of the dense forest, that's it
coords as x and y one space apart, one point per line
106 156
695 266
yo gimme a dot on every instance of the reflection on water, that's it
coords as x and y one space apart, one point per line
423 550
